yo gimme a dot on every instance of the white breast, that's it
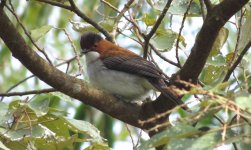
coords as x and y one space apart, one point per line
125 85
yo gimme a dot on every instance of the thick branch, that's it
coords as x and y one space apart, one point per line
71 86
214 21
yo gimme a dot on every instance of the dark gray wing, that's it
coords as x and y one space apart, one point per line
135 65
141 67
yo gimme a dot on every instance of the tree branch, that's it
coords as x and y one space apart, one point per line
62 82
214 21
130 113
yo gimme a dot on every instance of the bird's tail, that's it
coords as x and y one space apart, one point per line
161 86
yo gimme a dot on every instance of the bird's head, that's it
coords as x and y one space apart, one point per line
92 44
88 41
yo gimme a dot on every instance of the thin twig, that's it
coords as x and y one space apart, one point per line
202 9
163 57
128 19
130 134
121 14
139 137
230 71
75 9
238 39
29 77
15 85
181 28
28 92
55 3
155 27
80 67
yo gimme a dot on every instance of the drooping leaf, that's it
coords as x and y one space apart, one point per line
85 128
37 131
40 104
149 19
38 33
3 111
212 75
217 60
164 137
86 27
164 40
207 141
244 102
56 125
219 42
179 144
108 24
62 96
245 32
179 7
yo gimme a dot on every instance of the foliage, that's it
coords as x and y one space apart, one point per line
33 123
220 115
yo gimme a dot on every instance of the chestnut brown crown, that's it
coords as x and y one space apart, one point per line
88 40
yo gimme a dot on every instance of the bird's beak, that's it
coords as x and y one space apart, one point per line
84 51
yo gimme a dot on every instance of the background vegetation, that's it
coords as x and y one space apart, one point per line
201 45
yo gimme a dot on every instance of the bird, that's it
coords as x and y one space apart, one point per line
120 71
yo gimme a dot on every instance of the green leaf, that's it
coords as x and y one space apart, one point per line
149 20
179 7
164 40
83 27
108 24
40 104
244 102
37 131
3 111
85 128
164 137
36 34
58 142
229 57
62 96
212 75
179 144
86 27
219 87
56 125
2 146
245 32
206 142
217 60
106 10
219 42
98 146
